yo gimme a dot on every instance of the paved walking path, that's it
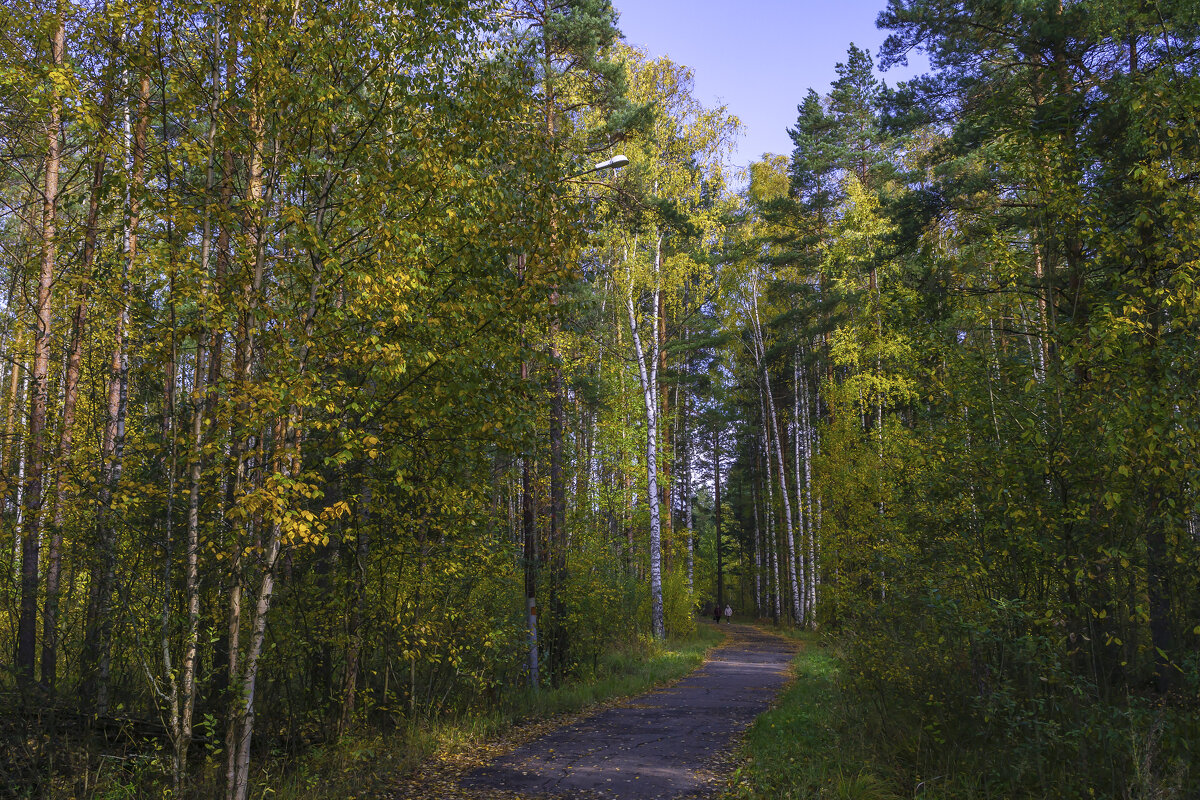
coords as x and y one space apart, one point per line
662 744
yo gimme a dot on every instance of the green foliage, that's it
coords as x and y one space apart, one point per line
601 606
297 468
679 602
989 274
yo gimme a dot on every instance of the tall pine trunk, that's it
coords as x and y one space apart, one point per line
27 621
67 432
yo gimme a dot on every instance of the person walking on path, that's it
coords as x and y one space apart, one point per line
716 613
728 613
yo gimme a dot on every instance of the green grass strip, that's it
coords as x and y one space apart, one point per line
793 751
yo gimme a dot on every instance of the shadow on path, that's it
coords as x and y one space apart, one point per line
662 744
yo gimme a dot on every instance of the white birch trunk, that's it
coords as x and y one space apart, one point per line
182 726
258 631
773 582
813 515
802 520
771 419
649 381
797 614
687 507
19 526
758 556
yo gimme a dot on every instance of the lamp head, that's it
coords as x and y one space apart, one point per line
616 162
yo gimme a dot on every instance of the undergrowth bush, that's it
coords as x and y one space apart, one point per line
985 702
679 602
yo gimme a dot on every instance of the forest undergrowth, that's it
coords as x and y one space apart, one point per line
413 758
845 728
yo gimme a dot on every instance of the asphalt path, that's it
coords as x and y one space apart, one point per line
667 743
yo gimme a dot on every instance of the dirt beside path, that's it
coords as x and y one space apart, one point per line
663 744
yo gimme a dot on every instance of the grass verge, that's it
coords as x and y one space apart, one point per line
794 750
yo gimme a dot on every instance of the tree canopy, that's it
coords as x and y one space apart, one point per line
348 382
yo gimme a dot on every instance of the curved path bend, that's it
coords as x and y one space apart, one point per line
666 743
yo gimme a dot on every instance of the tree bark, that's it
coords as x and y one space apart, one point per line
183 723
770 418
113 447
717 518
664 413
812 515
354 646
27 621
7 447
649 381
67 432
249 682
801 518
773 582
755 497
529 536
686 466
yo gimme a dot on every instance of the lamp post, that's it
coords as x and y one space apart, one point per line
615 163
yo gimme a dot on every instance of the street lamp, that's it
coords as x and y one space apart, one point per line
616 162
531 617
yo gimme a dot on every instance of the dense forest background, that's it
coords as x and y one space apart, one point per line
365 362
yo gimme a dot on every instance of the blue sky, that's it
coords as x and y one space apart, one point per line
758 57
